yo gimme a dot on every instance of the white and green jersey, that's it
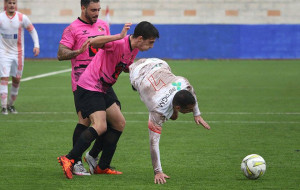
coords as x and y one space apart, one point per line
157 85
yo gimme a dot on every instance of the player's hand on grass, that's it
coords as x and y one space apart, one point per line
36 51
199 120
160 178
125 30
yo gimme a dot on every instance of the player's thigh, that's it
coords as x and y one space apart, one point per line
98 120
115 117
89 102
17 67
83 121
5 66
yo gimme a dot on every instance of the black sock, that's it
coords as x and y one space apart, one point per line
98 145
77 132
111 139
83 143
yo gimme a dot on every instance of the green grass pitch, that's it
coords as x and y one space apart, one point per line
252 106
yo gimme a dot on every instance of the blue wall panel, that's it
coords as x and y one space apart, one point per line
198 41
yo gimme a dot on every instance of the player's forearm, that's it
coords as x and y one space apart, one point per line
154 150
35 38
65 53
99 41
196 110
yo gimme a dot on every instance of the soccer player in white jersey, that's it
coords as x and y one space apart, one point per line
12 24
164 95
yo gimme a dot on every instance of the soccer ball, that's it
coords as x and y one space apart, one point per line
253 166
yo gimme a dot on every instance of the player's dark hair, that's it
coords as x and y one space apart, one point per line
146 30
183 98
86 3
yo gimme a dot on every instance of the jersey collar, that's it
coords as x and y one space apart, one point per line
11 17
84 21
129 43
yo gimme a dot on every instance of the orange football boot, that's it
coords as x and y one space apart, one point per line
106 171
67 166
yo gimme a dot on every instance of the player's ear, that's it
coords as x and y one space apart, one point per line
140 38
177 108
83 8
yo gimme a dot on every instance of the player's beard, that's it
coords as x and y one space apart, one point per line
90 19
11 12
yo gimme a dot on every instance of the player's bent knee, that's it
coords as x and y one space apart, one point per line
100 129
85 121
120 125
100 126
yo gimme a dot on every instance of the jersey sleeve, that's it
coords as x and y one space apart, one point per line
112 46
32 31
154 151
196 109
154 126
67 38
157 118
27 23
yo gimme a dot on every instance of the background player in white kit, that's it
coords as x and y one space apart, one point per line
12 24
164 95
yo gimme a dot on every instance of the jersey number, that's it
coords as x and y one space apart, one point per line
156 83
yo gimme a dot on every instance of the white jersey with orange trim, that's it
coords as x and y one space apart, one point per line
157 86
12 34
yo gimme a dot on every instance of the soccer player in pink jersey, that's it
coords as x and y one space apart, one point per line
12 24
117 53
74 46
165 95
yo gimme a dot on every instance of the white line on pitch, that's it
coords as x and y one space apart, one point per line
204 113
44 75
144 121
249 113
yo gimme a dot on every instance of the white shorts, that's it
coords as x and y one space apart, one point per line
11 66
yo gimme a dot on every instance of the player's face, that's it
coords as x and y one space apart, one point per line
144 45
11 6
187 109
92 12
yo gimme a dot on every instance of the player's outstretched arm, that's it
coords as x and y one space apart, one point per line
65 53
99 41
154 137
199 120
34 35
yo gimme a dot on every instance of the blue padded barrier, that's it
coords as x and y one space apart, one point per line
208 41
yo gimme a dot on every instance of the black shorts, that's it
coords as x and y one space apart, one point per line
110 92
89 102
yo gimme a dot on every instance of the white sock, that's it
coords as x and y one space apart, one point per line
3 93
13 93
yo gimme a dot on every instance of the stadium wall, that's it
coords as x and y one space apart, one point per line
190 29
205 41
